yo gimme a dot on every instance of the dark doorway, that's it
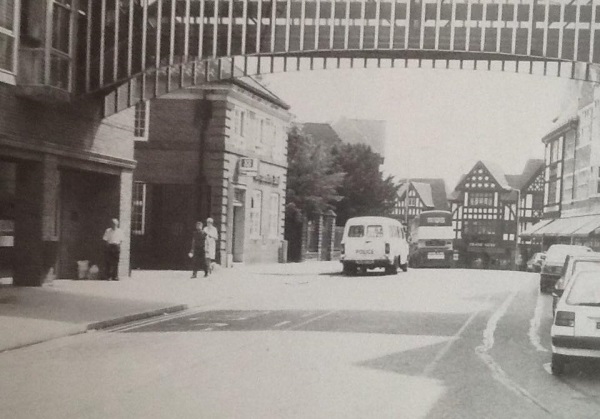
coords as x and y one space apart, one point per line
170 222
88 201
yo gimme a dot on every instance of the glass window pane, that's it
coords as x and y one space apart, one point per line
6 52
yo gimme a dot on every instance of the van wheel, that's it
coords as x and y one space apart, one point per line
349 268
558 364
392 269
403 266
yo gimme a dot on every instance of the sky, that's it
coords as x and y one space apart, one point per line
439 123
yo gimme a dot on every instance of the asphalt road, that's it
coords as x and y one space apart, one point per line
422 344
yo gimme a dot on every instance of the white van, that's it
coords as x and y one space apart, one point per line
374 242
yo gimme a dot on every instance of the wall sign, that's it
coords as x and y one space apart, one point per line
247 166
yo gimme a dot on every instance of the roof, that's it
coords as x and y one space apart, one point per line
437 191
322 132
362 131
532 169
497 172
258 88
424 191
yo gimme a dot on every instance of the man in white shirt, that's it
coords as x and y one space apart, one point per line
113 237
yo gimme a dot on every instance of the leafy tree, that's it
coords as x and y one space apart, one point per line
312 183
364 189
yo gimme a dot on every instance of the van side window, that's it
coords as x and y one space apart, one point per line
374 231
356 231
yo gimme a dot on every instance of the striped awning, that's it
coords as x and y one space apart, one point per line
581 226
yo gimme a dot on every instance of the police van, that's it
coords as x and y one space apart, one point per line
374 242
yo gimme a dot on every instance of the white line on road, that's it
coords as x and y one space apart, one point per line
282 323
442 352
534 325
488 343
313 319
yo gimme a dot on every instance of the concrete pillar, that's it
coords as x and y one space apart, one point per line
126 187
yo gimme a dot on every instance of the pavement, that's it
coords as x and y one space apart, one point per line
30 315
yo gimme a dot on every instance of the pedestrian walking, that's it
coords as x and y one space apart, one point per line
198 251
212 235
113 237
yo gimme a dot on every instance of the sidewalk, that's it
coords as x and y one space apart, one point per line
66 307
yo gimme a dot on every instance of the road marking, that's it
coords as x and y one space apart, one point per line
488 343
534 325
282 323
442 352
310 313
313 319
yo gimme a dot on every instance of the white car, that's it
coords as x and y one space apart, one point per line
374 242
576 328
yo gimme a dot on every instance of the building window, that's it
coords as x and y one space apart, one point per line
479 228
141 119
60 61
481 199
255 214
8 11
138 211
274 216
239 119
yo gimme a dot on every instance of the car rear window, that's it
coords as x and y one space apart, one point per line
356 231
374 231
585 289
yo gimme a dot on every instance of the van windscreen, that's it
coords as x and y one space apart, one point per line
356 231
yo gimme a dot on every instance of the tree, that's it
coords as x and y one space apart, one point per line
312 183
364 189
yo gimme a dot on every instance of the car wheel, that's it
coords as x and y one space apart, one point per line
558 364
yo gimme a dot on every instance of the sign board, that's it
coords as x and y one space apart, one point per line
247 166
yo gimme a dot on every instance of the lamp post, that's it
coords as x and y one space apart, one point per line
517 212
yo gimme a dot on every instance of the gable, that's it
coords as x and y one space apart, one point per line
538 184
481 178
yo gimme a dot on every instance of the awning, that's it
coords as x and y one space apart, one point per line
530 232
581 226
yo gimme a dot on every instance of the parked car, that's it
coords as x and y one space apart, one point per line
554 262
574 264
534 264
374 242
575 331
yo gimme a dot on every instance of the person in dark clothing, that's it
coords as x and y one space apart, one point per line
198 253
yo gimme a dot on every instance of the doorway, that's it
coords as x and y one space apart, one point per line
239 216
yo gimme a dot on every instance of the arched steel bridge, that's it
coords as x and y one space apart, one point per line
140 49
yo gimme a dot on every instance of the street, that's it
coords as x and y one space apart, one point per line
293 342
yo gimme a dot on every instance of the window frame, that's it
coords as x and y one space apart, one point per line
9 75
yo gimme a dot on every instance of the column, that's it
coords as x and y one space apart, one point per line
126 188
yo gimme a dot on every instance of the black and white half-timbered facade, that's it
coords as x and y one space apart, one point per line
488 206
418 195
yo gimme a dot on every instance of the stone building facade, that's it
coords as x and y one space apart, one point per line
217 151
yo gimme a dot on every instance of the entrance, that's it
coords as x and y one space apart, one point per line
88 201
8 180
239 216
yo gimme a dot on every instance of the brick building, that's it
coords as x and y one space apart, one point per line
215 151
64 170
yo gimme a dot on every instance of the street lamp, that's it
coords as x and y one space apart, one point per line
517 211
